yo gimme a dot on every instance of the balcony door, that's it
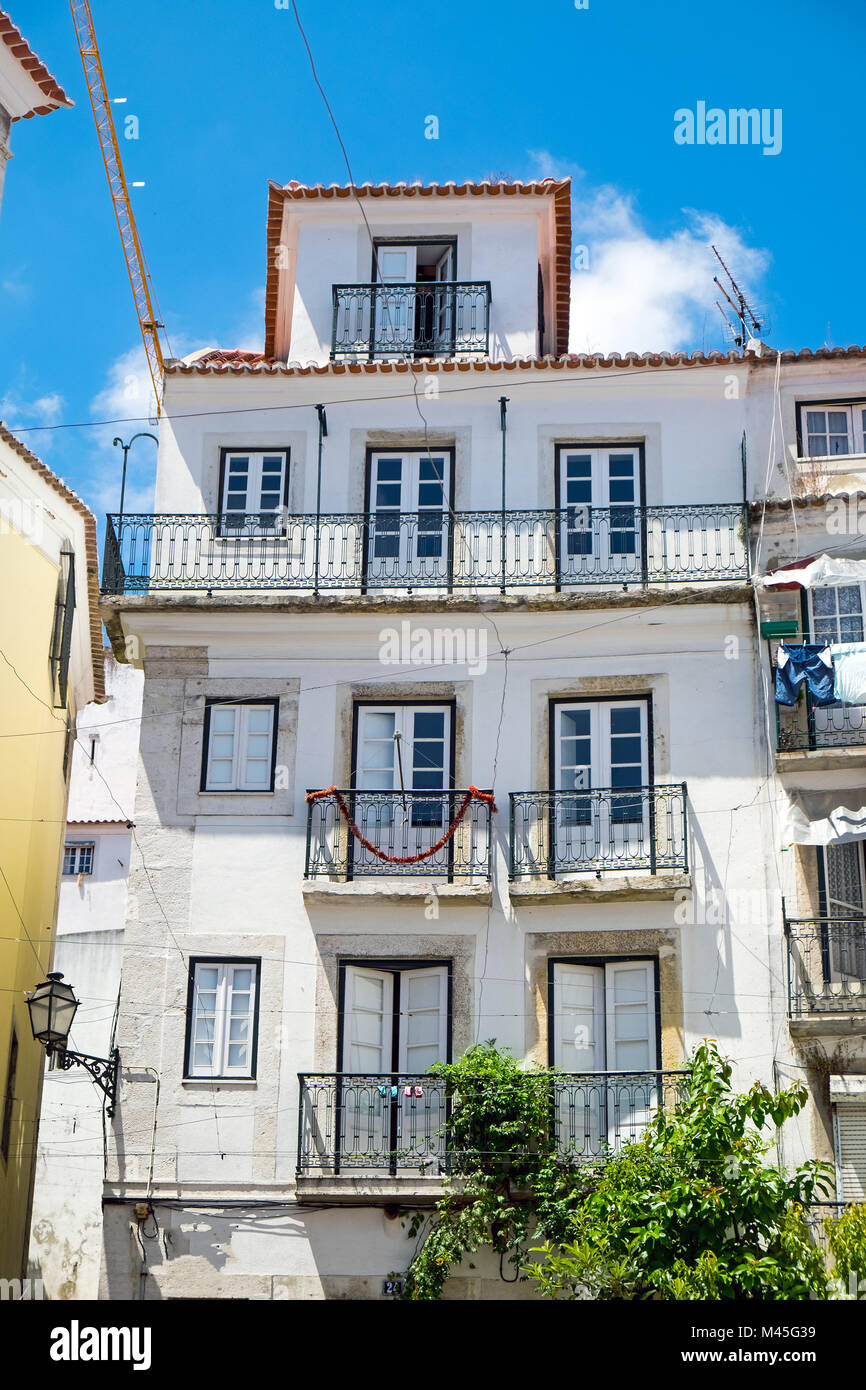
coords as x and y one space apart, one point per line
600 748
604 1020
844 945
394 1027
599 517
444 306
409 495
837 616
394 314
401 749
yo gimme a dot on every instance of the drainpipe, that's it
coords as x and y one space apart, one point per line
323 434
503 402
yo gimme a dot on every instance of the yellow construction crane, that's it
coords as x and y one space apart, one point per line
135 262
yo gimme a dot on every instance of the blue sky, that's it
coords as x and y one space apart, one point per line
225 100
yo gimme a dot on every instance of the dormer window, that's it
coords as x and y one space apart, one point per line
413 305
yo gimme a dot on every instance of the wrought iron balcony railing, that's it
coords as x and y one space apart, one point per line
393 1123
435 549
604 830
425 319
807 726
401 826
826 964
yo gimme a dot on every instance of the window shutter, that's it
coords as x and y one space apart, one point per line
368 1017
578 1026
851 1119
424 1006
630 992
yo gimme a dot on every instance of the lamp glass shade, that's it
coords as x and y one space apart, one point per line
52 1008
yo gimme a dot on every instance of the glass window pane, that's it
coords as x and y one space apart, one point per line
379 725
430 725
389 470
575 721
625 721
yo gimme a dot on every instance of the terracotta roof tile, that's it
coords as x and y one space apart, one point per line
261 365
91 554
299 192
231 356
34 67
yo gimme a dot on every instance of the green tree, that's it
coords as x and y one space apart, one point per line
507 1179
694 1210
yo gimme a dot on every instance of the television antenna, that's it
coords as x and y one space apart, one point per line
745 325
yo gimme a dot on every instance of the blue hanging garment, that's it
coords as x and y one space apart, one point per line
811 663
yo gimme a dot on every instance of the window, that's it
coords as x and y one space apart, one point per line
600 745
61 635
603 1024
842 895
78 859
411 317
395 1017
239 746
223 1018
832 428
837 613
604 1016
850 1144
254 489
409 503
9 1098
599 495
405 747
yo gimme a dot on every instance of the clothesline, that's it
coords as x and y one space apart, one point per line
832 672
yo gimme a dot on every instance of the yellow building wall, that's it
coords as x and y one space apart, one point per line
33 795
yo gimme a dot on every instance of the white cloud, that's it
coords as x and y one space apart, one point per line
45 410
127 397
641 292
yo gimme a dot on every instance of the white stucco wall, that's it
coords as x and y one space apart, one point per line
67 1207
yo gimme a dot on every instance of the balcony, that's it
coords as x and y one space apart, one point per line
557 834
398 826
398 1125
826 967
387 552
426 319
805 727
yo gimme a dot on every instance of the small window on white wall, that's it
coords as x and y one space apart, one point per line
239 746
78 859
223 1014
254 486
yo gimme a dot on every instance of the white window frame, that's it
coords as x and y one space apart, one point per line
255 476
604 1007
78 848
387 975
834 589
404 724
222 1014
241 735
854 411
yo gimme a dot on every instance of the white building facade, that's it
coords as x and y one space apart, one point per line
414 557
66 1226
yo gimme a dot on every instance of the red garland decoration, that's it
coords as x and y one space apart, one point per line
473 794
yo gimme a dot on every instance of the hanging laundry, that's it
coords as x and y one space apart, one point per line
849 672
419 1091
811 663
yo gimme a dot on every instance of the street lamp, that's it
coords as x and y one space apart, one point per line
126 448
52 1007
